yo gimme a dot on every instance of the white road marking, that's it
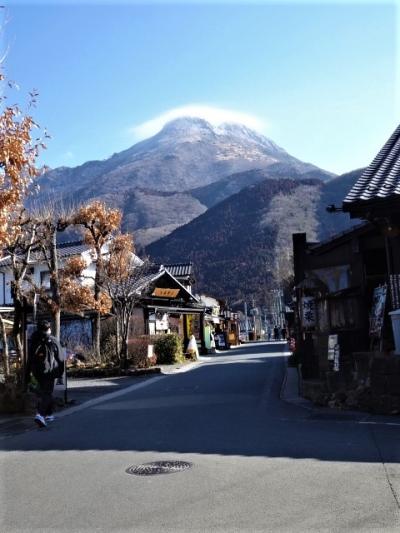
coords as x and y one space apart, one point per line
108 396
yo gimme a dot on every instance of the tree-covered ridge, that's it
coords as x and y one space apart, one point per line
234 245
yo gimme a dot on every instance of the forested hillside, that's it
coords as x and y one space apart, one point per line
235 244
243 245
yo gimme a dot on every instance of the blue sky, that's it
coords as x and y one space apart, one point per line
318 78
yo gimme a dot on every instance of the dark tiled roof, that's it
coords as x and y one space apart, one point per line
382 178
65 249
153 273
180 270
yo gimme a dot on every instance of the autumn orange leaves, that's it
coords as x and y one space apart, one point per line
18 155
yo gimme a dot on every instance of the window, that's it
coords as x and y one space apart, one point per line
45 279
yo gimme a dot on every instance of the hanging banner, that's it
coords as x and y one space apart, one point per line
377 311
308 312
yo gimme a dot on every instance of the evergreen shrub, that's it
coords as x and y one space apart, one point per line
169 349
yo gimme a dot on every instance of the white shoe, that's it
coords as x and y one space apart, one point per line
40 421
50 418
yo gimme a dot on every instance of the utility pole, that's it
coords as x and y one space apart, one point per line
246 321
282 305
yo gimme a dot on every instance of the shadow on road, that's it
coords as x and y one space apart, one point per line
229 406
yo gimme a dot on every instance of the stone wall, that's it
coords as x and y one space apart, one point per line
367 381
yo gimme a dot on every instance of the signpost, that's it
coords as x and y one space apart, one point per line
61 384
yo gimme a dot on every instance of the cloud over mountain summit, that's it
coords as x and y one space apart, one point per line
214 115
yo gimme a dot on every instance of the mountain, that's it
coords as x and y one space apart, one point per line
233 244
156 214
210 195
241 245
183 159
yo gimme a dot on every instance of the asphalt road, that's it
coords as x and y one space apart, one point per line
258 463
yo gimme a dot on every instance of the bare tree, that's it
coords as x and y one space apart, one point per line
20 251
19 151
100 223
124 278
51 217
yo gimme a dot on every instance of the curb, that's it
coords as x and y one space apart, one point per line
293 397
182 369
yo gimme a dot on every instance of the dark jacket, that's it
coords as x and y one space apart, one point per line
45 357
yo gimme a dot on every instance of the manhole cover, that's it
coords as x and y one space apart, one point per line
158 467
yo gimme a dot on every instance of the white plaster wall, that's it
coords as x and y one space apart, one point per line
5 297
5 287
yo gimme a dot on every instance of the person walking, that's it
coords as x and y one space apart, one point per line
46 364
276 333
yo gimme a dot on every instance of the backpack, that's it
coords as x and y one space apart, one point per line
48 354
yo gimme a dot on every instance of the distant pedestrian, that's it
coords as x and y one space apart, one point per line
276 333
46 364
283 333
269 333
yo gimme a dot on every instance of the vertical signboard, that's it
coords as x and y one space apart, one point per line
332 342
334 352
377 311
308 312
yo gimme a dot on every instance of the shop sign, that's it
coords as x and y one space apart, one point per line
165 293
162 322
215 311
308 311
332 343
334 352
220 340
377 311
336 360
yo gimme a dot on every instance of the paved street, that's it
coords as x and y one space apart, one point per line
259 463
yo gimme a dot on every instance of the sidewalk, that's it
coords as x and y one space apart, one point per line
83 390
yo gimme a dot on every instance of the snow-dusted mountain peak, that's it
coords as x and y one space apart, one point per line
193 129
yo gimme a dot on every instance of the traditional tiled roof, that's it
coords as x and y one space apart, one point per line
65 249
180 270
381 179
155 272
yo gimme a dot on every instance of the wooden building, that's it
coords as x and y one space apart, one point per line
376 198
348 292
169 307
335 281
